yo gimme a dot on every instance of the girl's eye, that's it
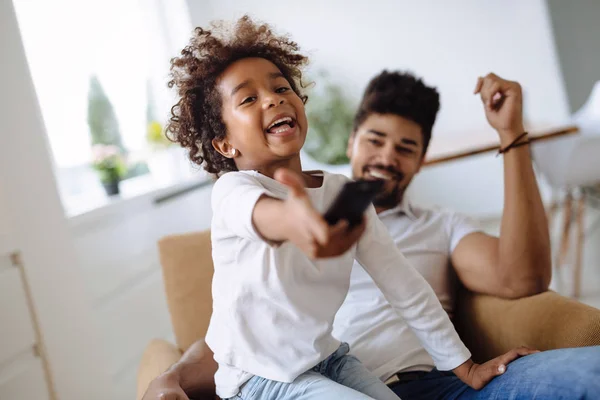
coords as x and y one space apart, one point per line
282 89
248 100
375 142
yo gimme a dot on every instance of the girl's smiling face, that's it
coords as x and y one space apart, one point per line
265 119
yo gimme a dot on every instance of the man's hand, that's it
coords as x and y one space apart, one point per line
307 229
165 387
503 103
479 375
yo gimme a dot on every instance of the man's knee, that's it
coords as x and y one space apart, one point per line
574 371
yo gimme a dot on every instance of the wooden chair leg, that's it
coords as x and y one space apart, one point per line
551 212
564 240
566 231
580 240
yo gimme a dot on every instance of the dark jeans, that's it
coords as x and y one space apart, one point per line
557 374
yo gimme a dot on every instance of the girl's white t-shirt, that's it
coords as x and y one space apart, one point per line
273 307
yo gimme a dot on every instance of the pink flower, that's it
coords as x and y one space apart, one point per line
102 153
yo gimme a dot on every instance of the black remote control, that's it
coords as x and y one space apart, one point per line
352 201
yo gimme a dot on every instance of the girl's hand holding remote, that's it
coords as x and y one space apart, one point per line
296 220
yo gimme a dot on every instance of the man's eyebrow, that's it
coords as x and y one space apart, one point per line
378 133
403 140
409 141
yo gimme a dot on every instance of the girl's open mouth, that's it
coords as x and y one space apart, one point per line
282 126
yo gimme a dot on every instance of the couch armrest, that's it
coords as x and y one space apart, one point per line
490 326
157 358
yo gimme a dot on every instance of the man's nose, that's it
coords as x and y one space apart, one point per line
388 157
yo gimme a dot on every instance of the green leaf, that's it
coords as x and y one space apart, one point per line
102 121
330 115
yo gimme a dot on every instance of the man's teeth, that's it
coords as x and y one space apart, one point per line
380 175
279 121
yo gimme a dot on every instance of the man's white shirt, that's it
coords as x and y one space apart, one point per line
377 334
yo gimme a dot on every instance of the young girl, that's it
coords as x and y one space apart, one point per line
281 273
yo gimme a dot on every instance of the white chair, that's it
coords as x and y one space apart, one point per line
571 164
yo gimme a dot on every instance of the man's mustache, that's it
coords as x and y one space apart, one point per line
397 175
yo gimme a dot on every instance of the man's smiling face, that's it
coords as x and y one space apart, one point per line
387 147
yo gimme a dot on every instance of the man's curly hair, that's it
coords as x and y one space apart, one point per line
402 94
197 119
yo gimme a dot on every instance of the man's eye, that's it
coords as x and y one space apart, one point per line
282 89
248 100
405 150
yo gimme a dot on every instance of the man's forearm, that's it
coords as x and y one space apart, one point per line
524 246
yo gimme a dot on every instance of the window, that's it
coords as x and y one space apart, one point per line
127 45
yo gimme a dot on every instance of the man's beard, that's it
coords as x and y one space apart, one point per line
389 199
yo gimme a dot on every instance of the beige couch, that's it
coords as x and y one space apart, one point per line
489 326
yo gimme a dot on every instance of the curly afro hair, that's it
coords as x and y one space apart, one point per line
402 94
196 119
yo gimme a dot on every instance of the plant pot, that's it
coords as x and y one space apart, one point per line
111 188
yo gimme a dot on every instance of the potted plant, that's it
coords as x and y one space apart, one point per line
110 165
108 152
330 114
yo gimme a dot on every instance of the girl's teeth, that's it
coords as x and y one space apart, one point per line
286 119
282 129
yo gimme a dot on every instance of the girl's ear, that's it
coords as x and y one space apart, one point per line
224 148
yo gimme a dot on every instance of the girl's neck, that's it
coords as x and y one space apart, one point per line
292 164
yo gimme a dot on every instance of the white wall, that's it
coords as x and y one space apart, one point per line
40 231
123 281
449 44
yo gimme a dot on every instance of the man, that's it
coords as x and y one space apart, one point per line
391 133
392 130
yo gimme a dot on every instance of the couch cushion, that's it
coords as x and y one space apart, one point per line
188 270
